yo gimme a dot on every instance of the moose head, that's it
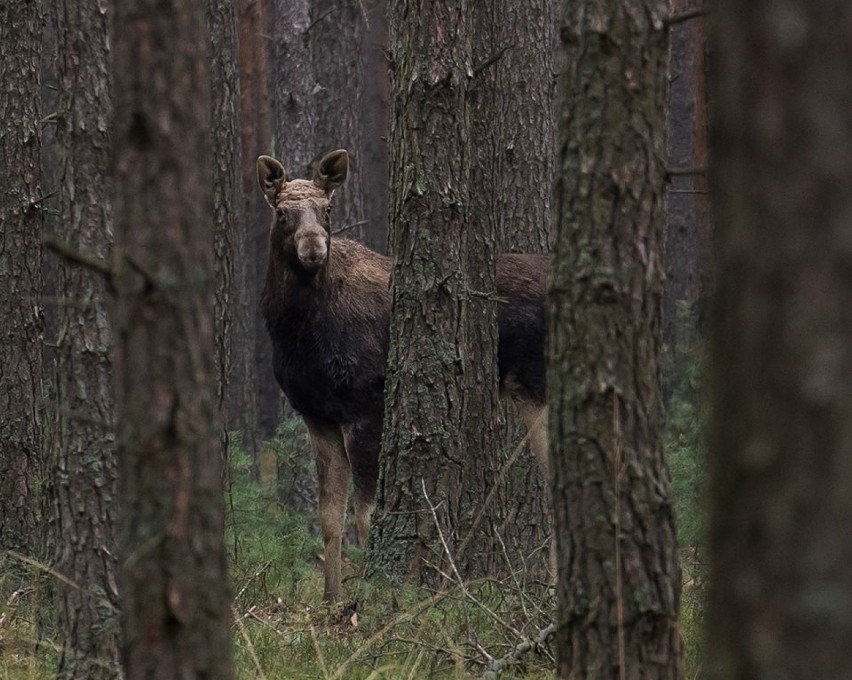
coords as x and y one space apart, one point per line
301 231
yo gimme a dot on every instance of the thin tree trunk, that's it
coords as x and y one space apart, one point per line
336 33
781 586
619 580
83 481
687 213
256 139
224 90
227 193
375 111
174 589
21 205
241 405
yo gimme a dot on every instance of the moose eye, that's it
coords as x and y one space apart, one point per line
279 213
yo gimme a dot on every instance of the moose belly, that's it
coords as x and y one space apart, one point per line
333 391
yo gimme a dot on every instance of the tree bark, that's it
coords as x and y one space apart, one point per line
21 206
687 213
256 138
227 191
427 408
512 128
375 109
336 32
295 116
619 580
174 589
83 480
781 442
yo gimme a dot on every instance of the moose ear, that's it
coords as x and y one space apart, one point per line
332 170
270 176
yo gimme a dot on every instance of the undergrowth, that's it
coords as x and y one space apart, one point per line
685 440
282 631
379 632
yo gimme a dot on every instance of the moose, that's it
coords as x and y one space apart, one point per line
326 303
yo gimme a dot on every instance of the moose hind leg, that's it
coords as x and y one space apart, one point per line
534 417
333 475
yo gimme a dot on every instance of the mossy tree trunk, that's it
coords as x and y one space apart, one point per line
428 405
20 275
781 446
618 576
173 581
83 480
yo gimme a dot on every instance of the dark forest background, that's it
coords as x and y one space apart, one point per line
686 166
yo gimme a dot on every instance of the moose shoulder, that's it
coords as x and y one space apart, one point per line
326 304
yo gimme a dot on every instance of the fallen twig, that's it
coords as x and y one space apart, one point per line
495 666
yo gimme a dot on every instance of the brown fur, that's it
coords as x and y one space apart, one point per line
327 307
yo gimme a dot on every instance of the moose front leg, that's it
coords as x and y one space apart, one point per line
363 440
333 476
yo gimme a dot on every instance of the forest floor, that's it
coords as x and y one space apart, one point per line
283 632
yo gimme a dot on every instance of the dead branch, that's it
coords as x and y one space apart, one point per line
501 476
408 615
347 227
495 666
318 19
462 586
70 253
251 579
680 17
494 58
685 171
249 645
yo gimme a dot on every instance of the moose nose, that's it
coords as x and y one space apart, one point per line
313 255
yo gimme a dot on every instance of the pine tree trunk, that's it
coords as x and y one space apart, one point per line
512 127
687 212
375 109
335 33
174 589
295 116
256 139
618 576
83 481
241 405
426 408
227 192
20 275
781 586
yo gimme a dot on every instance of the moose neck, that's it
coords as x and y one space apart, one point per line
291 288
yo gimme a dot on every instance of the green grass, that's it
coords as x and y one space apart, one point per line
25 653
686 453
379 632
282 631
